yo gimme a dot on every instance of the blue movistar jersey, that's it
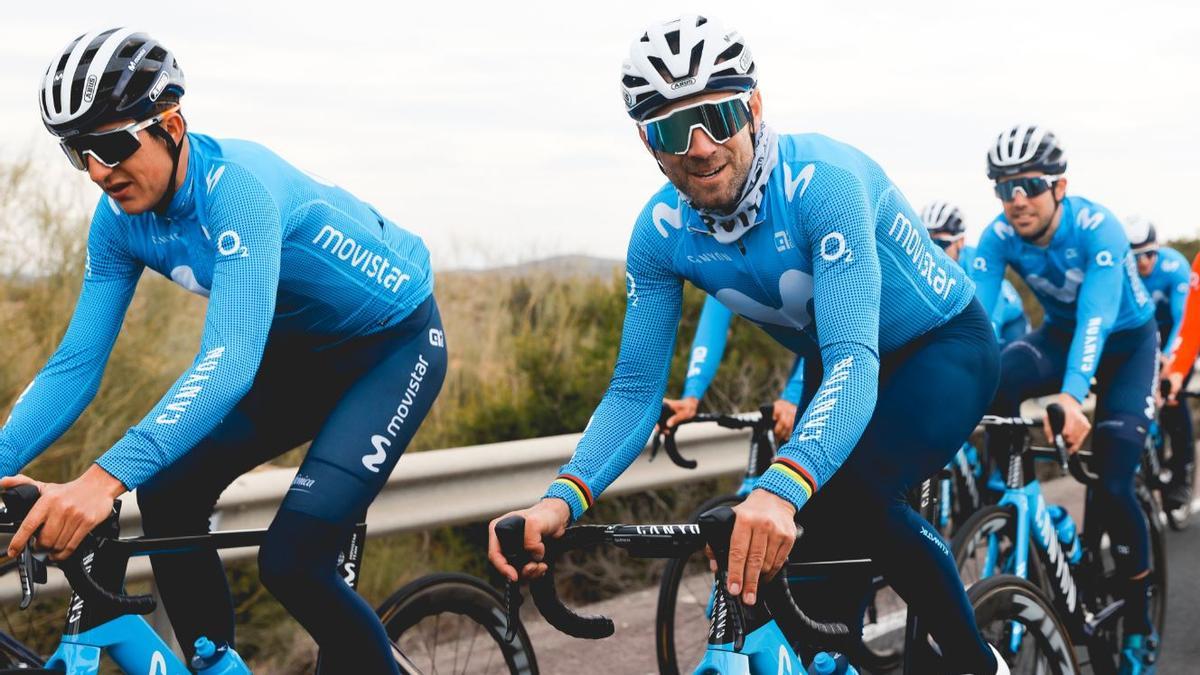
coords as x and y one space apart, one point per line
275 250
708 347
838 267
1167 284
1085 278
1008 316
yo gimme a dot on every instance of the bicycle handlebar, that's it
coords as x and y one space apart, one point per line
644 541
1073 464
18 501
664 437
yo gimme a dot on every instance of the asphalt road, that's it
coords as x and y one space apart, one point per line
631 650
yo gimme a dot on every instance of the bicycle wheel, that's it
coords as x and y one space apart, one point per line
1004 600
985 545
681 622
454 623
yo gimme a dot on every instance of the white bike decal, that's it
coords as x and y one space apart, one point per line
785 661
158 664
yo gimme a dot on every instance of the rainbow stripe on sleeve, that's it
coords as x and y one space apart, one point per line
796 474
578 487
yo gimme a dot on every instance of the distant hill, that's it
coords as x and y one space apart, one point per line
561 265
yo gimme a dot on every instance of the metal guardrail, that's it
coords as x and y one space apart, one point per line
457 485
447 487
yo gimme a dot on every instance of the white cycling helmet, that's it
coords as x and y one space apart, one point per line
681 57
943 218
1141 234
1025 147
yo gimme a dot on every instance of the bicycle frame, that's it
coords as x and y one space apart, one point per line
128 639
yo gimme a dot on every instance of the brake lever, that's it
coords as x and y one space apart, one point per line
32 571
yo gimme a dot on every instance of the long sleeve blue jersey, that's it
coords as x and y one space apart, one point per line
275 250
1008 312
1167 284
1085 278
839 267
708 347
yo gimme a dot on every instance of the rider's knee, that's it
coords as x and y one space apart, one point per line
1119 440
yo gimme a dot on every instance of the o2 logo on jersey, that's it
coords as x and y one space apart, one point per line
833 248
1086 220
1104 258
230 243
979 263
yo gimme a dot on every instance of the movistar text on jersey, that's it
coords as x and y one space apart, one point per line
361 258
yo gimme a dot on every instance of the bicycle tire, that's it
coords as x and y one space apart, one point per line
1001 600
472 602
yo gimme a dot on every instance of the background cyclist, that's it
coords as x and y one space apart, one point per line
708 347
1166 274
808 238
946 228
321 326
1099 323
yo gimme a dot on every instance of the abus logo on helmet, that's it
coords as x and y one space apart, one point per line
89 89
680 84
159 85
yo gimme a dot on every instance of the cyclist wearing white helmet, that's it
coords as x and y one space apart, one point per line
945 224
1167 275
1099 323
320 323
793 232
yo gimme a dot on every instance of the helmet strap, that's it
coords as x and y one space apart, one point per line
175 149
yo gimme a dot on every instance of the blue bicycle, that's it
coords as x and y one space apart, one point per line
1022 535
444 623
774 636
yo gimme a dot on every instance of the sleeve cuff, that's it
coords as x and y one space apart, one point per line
1077 386
693 390
787 479
122 471
573 491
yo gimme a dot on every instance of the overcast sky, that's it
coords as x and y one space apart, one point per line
496 130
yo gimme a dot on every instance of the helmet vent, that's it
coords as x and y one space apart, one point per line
673 41
633 81
731 53
697 52
661 67
700 21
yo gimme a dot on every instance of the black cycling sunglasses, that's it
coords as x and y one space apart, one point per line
110 148
1029 186
720 119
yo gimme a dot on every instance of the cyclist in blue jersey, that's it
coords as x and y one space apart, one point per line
321 326
1166 274
1099 324
708 347
946 228
808 238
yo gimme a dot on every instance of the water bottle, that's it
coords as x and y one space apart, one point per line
211 659
1067 536
831 664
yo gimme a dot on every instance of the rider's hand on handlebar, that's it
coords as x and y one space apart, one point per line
548 517
762 538
66 512
684 409
1076 425
785 419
